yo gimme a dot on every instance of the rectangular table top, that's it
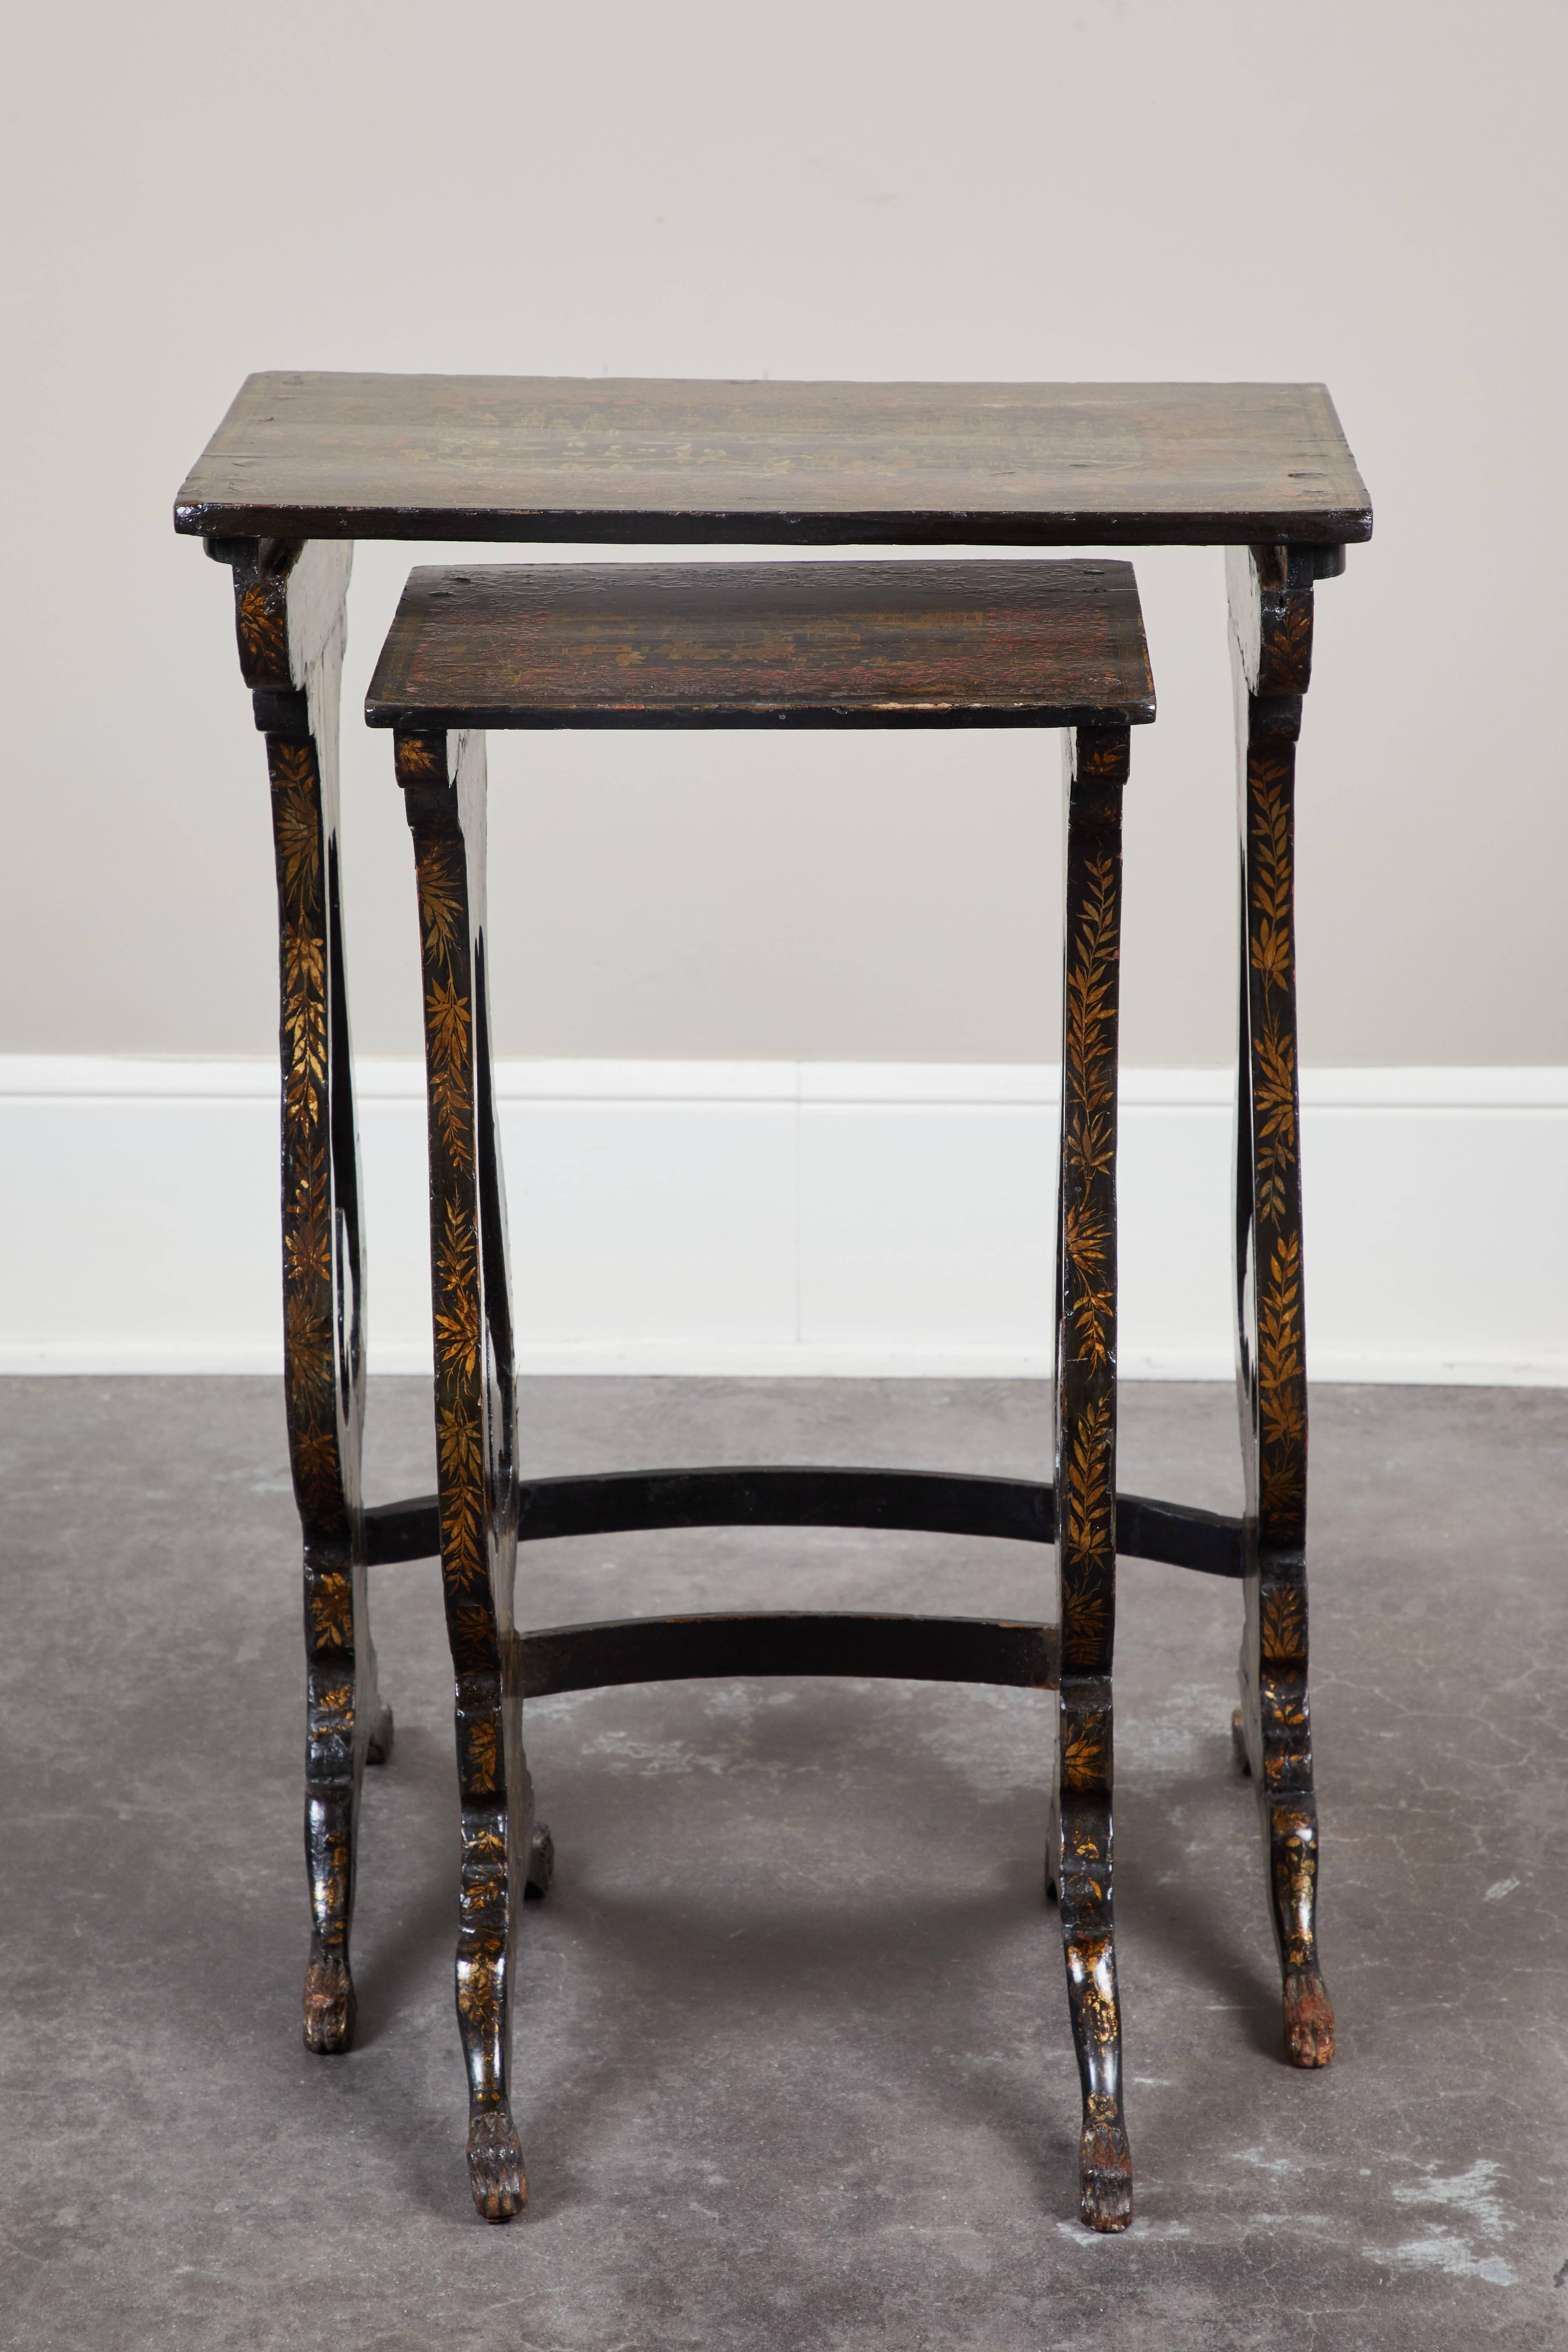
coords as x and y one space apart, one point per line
975 644
607 458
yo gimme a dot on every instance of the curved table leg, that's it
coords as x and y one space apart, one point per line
1271 619
1080 1861
289 600
443 796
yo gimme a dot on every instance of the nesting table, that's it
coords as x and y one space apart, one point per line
302 466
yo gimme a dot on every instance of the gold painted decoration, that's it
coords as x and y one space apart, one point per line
1086 1456
1282 1626
443 913
331 1612
1287 645
441 873
1274 612
458 1345
1085 1754
469 1388
1086 1413
484 1754
262 618
296 822
1276 1143
1283 1387
310 1306
448 1041
477 1985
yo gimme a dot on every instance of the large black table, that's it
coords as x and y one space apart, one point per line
303 464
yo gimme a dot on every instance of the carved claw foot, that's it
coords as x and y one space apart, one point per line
495 2166
1105 2175
1309 2018
1238 1745
378 1748
330 2008
541 1865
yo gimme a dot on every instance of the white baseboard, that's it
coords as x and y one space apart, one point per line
767 1218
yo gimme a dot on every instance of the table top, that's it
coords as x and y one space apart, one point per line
975 644
574 458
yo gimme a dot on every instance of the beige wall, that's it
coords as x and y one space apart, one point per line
1369 192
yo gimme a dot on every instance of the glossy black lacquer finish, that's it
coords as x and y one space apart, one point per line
288 611
1079 1854
476 1437
1017 1655
1271 645
934 1501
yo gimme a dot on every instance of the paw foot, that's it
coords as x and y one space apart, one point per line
329 2008
1309 2018
378 1747
541 1865
1105 2175
1238 1745
495 2166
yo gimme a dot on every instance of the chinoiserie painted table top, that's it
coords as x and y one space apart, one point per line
980 642
321 456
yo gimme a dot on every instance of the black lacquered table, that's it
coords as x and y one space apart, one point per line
302 466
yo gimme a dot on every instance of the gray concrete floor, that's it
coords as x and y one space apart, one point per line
793 2061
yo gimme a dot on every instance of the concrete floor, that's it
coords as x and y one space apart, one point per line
793 2060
